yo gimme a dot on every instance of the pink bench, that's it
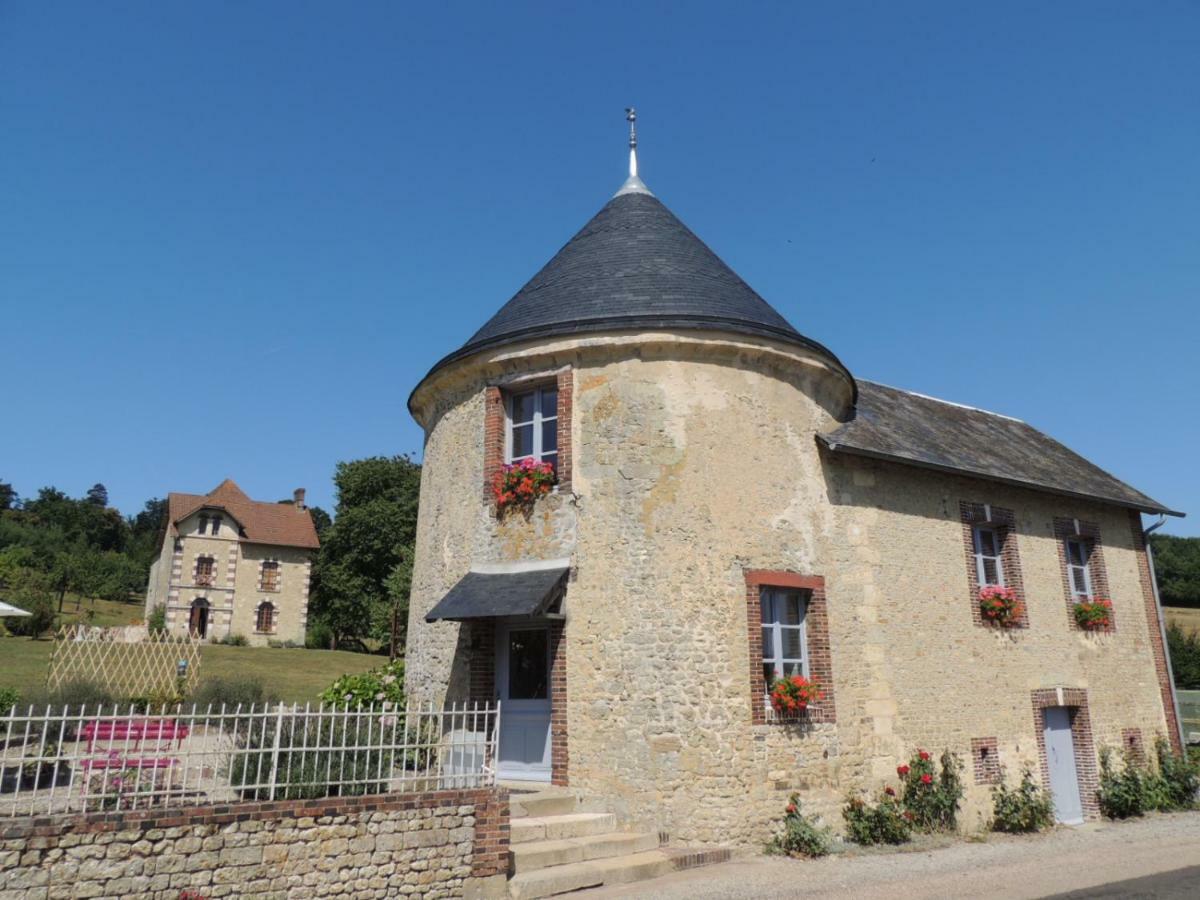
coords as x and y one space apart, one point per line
119 762
135 730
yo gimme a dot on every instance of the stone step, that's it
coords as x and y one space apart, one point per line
592 873
533 855
553 828
541 803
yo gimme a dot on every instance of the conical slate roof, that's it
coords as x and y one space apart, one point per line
634 266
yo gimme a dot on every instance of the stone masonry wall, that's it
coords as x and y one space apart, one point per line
694 463
442 844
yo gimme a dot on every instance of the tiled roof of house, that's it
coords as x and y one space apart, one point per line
633 266
901 426
278 524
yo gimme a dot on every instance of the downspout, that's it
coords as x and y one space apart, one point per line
1162 629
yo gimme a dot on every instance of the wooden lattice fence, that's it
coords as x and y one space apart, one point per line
128 662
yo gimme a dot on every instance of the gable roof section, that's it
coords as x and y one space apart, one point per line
904 427
634 265
278 524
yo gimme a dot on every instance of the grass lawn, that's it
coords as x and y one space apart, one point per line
293 675
1186 617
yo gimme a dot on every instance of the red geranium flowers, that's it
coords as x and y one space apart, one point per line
1000 606
522 483
792 695
1094 614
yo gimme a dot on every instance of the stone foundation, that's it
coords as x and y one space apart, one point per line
442 844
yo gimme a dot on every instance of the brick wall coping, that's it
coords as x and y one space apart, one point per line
225 813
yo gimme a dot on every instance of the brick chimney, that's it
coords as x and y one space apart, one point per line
298 498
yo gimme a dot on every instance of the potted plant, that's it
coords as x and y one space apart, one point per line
1093 614
792 694
1000 606
520 484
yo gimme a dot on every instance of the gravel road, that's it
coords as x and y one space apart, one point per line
1064 860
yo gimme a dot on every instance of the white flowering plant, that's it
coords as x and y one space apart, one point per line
384 685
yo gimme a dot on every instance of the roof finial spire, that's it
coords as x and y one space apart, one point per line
631 118
633 184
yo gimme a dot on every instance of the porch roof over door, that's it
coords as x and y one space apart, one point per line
506 592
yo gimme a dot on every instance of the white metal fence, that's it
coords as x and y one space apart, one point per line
91 759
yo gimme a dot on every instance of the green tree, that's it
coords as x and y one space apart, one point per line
97 495
8 497
374 531
1177 565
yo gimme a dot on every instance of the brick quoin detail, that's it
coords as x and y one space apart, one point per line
493 439
1154 624
1005 523
482 682
558 705
1076 700
491 838
1089 533
986 758
494 422
816 621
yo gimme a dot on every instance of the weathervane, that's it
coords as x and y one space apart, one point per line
631 118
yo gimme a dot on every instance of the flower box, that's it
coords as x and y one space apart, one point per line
519 485
791 695
1094 614
1000 606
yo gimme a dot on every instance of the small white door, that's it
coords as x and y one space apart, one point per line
1060 755
523 685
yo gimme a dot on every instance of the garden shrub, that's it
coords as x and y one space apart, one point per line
381 685
232 640
1180 776
802 835
232 691
930 794
319 636
43 615
1126 792
157 620
9 697
310 756
881 822
1025 809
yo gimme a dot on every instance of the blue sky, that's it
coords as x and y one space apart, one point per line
234 236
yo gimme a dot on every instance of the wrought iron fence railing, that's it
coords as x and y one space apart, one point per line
91 759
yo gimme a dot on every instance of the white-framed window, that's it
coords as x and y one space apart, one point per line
784 639
532 431
1080 579
989 568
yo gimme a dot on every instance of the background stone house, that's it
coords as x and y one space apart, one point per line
230 565
733 504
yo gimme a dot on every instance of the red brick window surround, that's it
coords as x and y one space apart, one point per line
1079 542
816 634
999 527
1086 769
986 759
496 427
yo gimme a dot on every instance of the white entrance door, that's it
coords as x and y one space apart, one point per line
523 685
1060 755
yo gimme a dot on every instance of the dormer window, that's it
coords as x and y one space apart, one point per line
203 529
532 431
216 524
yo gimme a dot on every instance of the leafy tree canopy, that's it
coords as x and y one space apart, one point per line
1177 565
360 582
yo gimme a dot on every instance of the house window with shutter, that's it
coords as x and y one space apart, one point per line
270 575
205 569
264 621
